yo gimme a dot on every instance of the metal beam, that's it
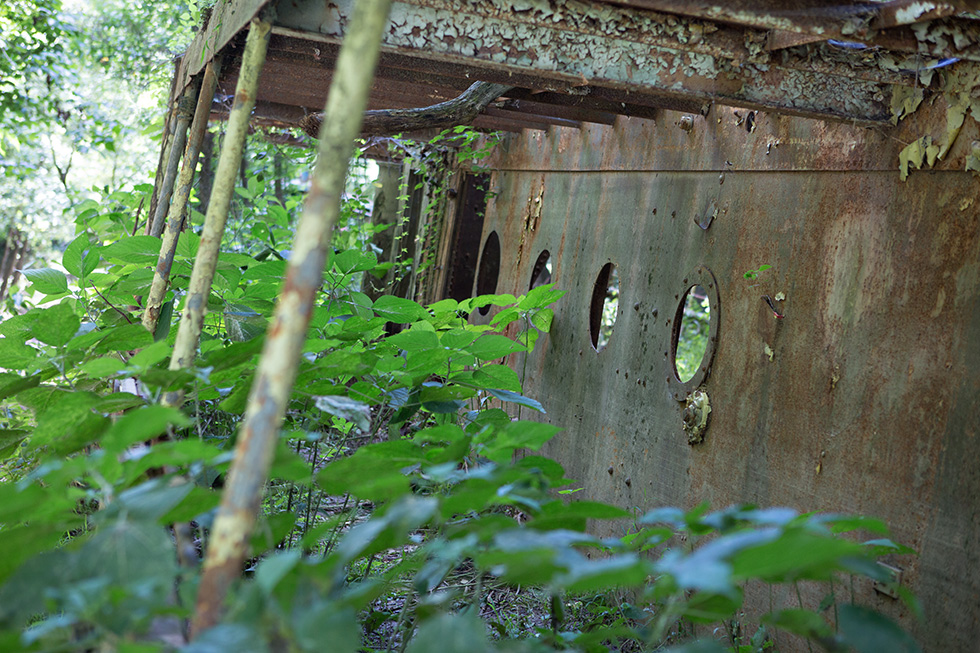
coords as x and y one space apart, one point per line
577 45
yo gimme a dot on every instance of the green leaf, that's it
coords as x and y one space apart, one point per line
125 338
352 260
499 377
540 297
119 401
515 398
450 633
397 309
228 637
163 321
794 555
415 339
274 568
542 319
356 412
100 368
140 425
373 472
75 254
47 281
870 632
133 249
799 622
457 338
15 355
9 440
57 325
148 501
151 355
490 347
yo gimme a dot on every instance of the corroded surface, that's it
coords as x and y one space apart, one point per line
864 398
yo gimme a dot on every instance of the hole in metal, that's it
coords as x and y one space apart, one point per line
604 306
486 279
541 272
692 336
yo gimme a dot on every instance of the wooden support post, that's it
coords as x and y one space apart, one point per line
276 373
185 112
178 207
195 306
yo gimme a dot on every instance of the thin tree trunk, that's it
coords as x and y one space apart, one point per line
195 306
178 208
276 373
185 113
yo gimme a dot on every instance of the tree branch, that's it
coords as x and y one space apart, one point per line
458 111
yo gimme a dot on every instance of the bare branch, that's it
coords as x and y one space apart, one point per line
458 111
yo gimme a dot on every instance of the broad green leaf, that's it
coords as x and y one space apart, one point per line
397 309
415 339
515 398
352 260
47 281
148 501
357 303
150 355
164 321
871 632
75 254
20 327
542 319
540 297
99 368
9 439
56 325
356 412
274 568
799 622
15 355
290 466
265 271
119 401
451 633
490 347
499 377
125 338
457 338
796 554
12 384
589 509
140 425
625 570
373 472
133 249
505 317
242 638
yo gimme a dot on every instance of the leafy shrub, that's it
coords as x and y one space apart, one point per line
398 471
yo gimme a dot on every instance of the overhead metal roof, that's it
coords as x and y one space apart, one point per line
575 61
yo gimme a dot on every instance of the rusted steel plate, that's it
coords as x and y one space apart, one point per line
601 45
864 398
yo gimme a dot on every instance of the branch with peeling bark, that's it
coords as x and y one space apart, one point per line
458 111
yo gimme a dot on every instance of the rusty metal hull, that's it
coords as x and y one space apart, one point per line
864 398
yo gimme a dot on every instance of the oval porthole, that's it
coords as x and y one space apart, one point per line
693 334
489 271
541 272
604 306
